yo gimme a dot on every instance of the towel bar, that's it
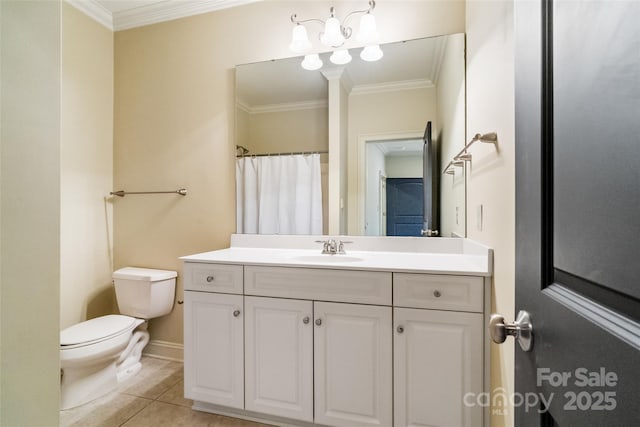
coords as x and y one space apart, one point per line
122 193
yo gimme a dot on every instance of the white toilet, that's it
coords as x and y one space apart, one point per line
98 353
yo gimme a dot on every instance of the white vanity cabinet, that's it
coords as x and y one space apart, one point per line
344 346
334 346
214 348
353 365
437 352
214 334
279 357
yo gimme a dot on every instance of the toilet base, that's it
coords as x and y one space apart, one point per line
128 363
82 385
131 371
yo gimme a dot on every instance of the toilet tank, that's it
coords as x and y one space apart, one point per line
144 293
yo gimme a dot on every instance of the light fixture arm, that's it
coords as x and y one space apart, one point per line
344 29
295 21
372 5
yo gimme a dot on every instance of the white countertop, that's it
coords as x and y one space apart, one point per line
462 257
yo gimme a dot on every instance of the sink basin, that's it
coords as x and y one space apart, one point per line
327 258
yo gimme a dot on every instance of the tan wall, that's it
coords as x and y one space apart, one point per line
404 166
490 107
174 120
242 128
451 135
86 162
29 213
288 131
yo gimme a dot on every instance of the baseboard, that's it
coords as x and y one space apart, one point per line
165 350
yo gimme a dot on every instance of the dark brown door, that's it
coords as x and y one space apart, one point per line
578 211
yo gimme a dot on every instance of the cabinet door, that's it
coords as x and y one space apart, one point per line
353 365
437 360
279 357
214 348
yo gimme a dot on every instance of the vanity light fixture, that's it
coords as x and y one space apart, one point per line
335 33
312 62
371 53
340 57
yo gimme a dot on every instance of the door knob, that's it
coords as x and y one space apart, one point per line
521 329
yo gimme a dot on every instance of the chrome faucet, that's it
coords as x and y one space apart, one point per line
333 246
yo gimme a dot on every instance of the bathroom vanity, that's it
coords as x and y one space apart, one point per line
390 334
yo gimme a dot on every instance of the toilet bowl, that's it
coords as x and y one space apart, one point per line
98 353
88 355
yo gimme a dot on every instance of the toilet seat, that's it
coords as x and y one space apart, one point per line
96 330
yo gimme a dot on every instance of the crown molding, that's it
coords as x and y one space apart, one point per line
392 86
169 10
94 10
153 13
288 106
243 106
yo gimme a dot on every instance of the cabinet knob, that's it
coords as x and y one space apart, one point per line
236 313
400 329
318 322
437 293
306 320
210 279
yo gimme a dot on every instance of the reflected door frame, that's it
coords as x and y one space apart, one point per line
357 172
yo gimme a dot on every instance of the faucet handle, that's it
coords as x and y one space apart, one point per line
325 245
341 244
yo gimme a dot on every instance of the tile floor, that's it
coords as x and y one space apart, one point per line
153 398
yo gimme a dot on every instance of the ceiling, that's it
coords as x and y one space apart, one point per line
124 14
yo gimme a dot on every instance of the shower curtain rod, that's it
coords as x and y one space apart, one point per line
288 153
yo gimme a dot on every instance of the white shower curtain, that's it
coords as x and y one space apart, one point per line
279 194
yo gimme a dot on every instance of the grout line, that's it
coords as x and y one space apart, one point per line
149 402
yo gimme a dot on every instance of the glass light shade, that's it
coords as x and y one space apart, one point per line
371 53
312 62
299 39
340 57
332 35
368 31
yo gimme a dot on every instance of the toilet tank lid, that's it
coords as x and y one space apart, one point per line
137 273
96 329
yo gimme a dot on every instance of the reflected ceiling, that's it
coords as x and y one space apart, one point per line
263 82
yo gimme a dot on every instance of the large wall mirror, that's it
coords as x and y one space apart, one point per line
282 108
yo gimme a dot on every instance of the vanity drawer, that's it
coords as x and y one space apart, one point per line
365 287
441 292
213 278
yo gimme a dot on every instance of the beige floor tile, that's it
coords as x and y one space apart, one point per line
156 377
175 395
223 421
111 410
153 398
160 414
